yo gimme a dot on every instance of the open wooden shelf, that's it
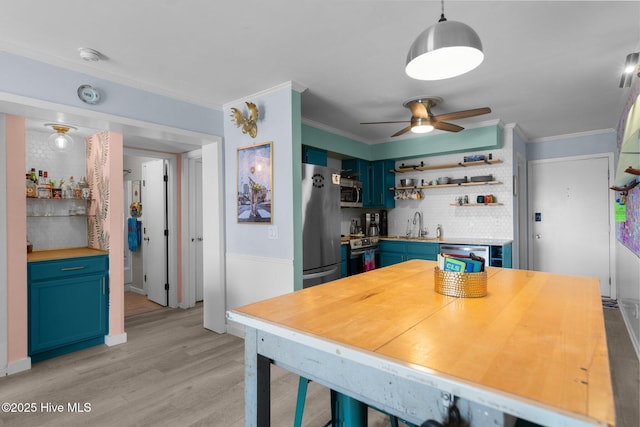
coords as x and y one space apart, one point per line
446 166
463 184
478 204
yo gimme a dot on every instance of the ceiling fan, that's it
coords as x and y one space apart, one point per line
423 120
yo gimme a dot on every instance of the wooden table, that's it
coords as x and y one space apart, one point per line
534 348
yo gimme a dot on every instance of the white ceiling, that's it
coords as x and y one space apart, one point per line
551 67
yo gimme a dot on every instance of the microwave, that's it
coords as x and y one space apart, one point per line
350 193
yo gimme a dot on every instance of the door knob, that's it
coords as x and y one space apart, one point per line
146 239
199 239
538 236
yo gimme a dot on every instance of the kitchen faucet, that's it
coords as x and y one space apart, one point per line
421 231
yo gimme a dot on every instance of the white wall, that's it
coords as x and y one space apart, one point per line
259 267
494 222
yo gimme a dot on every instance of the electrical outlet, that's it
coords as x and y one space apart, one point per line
272 232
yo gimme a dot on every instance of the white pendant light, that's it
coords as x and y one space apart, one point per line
60 141
444 50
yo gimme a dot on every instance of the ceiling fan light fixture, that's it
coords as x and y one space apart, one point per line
59 140
444 50
422 129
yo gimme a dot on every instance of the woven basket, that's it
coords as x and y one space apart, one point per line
465 285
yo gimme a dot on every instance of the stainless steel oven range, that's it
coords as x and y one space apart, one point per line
363 254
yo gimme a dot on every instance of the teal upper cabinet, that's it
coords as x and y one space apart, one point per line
381 180
314 156
376 180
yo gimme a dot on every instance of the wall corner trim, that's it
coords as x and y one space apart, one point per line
18 366
111 341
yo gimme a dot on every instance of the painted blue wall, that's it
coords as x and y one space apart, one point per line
276 127
574 145
32 79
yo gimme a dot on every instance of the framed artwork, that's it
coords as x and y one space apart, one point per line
255 183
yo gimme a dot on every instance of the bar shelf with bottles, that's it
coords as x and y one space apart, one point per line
54 198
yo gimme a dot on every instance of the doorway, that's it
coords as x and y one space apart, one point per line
154 263
570 219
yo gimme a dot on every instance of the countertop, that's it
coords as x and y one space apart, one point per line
446 240
49 254
534 346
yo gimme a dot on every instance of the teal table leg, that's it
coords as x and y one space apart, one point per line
350 412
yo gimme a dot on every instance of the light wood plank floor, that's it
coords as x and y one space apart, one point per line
173 372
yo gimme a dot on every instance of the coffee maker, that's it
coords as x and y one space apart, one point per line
371 223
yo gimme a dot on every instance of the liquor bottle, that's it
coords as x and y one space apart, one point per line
47 185
42 189
32 189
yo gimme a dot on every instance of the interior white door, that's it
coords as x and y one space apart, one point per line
198 214
569 214
128 272
154 247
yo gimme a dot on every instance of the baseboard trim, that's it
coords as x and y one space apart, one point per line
235 329
133 289
115 339
19 366
626 316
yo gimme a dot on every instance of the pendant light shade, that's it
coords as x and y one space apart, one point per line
444 50
60 141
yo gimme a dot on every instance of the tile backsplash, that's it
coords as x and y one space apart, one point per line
55 230
478 222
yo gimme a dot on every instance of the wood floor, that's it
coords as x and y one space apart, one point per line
135 303
173 372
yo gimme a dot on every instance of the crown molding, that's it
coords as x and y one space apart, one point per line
292 85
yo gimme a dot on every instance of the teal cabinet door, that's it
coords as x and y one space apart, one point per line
394 251
423 250
314 156
380 181
68 303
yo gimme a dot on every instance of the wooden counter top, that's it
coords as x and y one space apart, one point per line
537 337
50 254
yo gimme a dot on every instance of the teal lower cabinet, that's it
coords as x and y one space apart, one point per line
67 305
395 251
343 260
500 256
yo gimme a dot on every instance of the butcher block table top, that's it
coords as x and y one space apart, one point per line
49 254
536 336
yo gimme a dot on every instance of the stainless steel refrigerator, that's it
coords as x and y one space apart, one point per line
320 225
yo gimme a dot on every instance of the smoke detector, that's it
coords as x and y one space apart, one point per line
90 55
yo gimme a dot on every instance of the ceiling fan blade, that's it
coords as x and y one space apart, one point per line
377 123
418 109
450 127
400 132
456 115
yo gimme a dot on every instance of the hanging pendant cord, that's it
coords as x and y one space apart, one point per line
442 18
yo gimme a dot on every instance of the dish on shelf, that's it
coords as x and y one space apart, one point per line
482 178
458 181
443 180
408 182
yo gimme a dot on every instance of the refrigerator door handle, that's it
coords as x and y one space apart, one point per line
321 274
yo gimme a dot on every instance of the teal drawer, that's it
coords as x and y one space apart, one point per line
68 267
393 246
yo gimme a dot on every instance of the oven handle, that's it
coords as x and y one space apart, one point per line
358 252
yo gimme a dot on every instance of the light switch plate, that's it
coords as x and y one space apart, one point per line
272 232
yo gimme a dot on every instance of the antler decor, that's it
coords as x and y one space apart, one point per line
249 125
